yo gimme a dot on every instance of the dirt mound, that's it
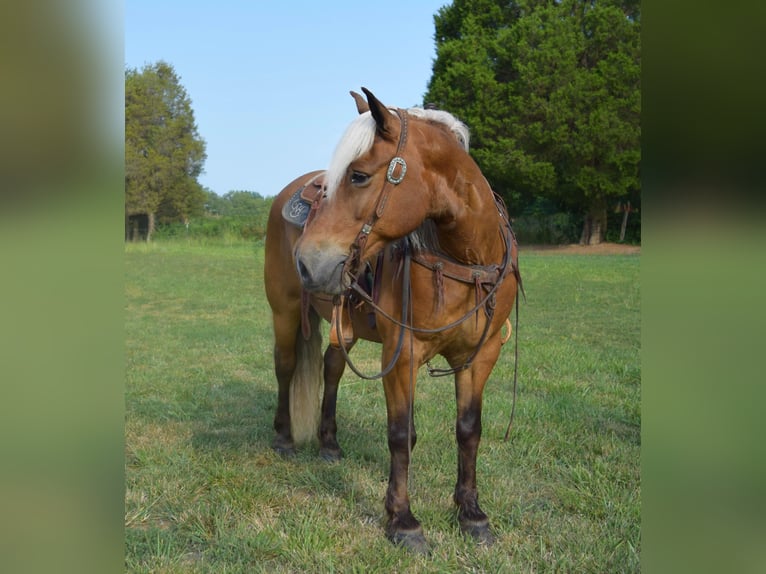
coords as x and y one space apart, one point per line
575 249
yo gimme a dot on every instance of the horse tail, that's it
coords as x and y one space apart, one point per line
307 384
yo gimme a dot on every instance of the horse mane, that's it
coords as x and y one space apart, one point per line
360 135
424 238
454 125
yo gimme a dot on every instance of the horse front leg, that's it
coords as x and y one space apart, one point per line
469 388
334 365
402 527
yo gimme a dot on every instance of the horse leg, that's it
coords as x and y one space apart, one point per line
402 528
334 365
284 365
469 387
285 360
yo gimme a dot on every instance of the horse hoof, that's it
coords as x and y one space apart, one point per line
411 540
479 531
283 449
330 454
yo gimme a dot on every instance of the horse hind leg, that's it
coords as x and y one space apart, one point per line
297 365
284 366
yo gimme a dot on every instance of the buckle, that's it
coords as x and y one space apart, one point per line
392 167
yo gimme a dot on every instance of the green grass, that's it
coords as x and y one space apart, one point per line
205 493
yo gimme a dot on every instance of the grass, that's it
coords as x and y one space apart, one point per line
205 493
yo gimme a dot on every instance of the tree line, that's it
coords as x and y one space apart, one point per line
551 92
549 89
234 215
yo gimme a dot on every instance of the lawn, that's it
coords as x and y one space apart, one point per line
205 493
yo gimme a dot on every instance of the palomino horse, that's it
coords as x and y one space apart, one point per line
406 245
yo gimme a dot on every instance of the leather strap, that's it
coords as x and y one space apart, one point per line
355 258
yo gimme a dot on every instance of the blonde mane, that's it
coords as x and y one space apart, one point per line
360 134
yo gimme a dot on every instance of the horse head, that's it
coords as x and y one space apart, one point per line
388 174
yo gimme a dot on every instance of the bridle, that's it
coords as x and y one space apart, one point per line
354 261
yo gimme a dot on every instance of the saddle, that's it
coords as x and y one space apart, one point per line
299 207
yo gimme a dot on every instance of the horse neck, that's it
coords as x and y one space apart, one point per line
467 230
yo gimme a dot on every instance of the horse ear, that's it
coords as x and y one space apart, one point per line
383 118
361 103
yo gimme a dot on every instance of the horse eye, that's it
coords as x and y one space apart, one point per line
359 179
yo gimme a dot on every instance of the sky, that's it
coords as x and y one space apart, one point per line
269 80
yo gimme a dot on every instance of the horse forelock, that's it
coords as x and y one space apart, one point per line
355 142
360 135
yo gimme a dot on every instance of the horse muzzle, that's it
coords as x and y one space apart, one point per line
321 271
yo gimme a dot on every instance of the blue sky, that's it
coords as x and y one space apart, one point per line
269 81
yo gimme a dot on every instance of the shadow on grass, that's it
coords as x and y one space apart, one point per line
234 416
237 417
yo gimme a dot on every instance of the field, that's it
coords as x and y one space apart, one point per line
205 493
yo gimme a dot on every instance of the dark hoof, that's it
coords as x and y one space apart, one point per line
411 540
283 448
479 531
330 454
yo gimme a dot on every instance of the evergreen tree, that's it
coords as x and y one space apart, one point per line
551 91
164 153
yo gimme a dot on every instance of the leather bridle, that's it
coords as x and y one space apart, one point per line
354 261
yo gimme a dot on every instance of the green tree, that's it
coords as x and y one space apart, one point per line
248 204
551 91
245 212
214 203
164 153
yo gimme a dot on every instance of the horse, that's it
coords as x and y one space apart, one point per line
402 242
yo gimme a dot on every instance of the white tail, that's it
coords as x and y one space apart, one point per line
307 385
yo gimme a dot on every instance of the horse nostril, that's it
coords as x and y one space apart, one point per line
320 272
303 271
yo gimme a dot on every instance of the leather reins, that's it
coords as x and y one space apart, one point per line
486 302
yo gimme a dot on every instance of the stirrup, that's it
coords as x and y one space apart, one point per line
345 326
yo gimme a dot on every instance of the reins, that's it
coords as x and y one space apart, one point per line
486 302
406 302
515 369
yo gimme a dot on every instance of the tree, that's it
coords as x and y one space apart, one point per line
243 212
551 91
164 153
